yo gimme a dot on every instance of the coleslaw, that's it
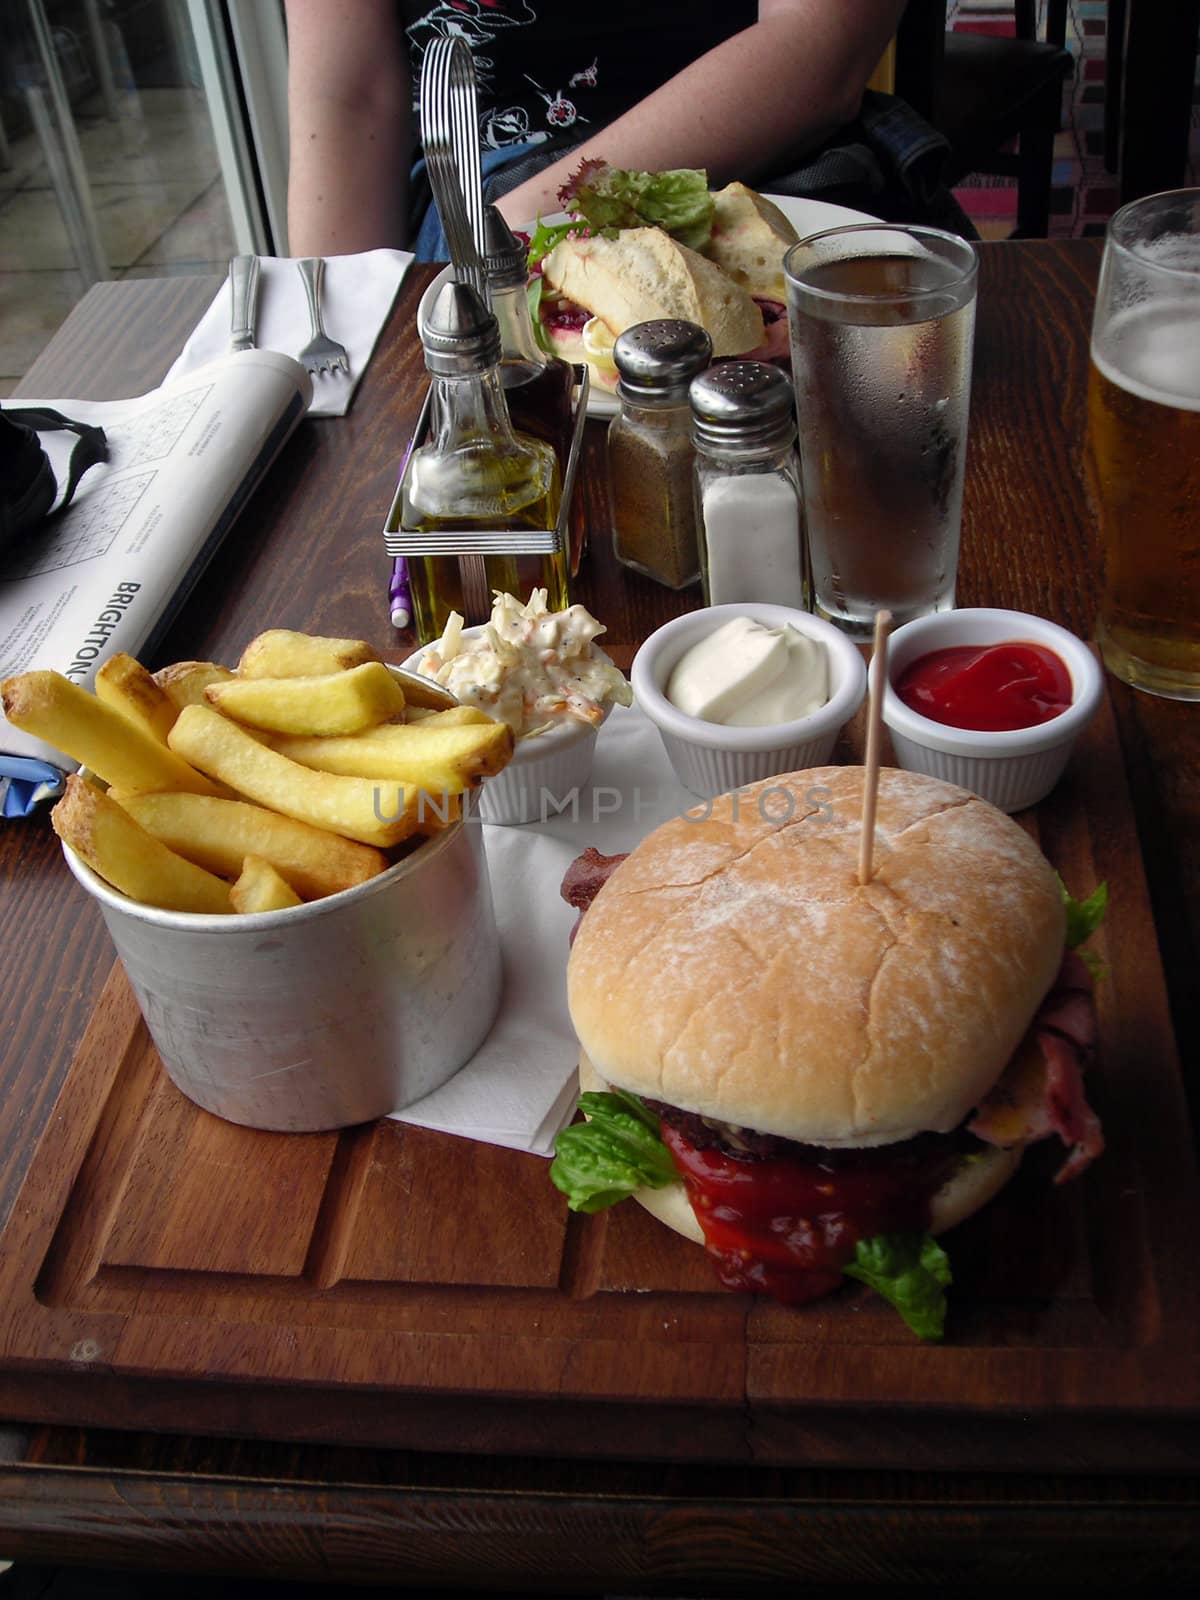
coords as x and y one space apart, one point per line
528 666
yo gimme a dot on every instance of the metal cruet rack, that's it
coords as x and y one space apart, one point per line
471 545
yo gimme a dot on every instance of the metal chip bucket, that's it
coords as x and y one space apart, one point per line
326 1014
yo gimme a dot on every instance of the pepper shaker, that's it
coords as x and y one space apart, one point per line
650 454
749 509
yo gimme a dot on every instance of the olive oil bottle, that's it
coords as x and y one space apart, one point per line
473 471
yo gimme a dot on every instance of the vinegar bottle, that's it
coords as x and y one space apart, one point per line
473 470
537 386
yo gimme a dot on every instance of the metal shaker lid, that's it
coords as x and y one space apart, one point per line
657 360
742 404
461 336
504 256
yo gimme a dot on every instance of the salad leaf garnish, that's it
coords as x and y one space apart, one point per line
601 1161
611 197
534 290
545 236
1083 916
909 1270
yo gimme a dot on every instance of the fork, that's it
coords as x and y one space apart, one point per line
321 354
450 136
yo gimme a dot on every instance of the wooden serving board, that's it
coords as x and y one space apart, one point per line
388 1285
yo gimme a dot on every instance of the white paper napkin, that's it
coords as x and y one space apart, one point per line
356 297
520 1087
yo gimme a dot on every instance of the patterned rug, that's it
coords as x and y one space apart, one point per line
1084 193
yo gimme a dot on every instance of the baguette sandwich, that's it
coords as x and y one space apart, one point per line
600 286
750 237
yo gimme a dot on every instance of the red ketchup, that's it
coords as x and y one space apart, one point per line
988 688
786 1227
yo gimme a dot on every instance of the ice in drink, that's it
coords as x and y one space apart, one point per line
881 354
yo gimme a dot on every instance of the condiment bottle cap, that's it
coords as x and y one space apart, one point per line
504 256
656 360
461 336
742 404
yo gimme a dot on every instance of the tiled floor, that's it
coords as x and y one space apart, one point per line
160 208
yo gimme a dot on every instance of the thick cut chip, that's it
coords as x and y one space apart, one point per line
125 855
184 682
432 756
260 888
452 717
436 812
280 653
220 834
370 810
336 703
126 686
124 755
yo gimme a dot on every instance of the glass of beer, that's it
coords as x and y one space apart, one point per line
882 322
1144 443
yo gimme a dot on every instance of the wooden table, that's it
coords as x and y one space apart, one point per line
307 554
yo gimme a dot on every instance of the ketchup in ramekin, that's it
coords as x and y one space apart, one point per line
987 688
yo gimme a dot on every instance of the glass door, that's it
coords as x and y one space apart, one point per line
138 138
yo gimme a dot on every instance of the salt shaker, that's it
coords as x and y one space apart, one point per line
650 454
749 508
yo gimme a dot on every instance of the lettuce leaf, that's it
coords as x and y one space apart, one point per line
534 290
611 197
602 1161
1083 916
543 239
909 1270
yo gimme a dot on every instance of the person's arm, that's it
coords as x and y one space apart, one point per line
779 87
348 114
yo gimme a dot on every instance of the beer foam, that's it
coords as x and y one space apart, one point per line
1153 351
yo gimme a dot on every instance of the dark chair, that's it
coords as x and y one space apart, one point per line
982 92
1114 74
1149 87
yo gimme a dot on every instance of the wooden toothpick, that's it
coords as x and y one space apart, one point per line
875 683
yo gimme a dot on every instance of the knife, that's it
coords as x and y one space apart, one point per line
243 279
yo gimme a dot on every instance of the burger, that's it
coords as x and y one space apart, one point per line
811 1076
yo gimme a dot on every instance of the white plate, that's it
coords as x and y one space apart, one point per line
806 216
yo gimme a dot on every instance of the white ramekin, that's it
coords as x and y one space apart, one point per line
545 769
710 759
1015 768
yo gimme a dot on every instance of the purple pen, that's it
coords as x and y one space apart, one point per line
399 595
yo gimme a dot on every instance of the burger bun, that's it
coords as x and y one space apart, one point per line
733 966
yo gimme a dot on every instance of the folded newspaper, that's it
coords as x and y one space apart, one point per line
108 573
